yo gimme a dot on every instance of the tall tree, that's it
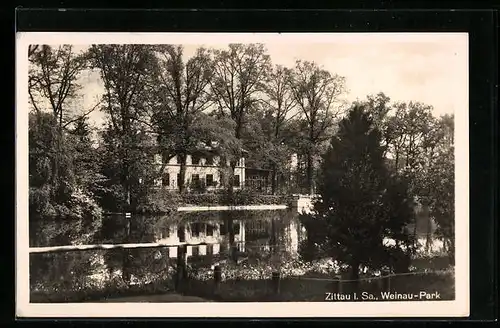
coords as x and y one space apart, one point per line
53 85
237 77
265 150
409 127
380 108
410 140
360 202
61 209
56 191
441 175
125 71
279 109
87 165
182 98
317 93
53 79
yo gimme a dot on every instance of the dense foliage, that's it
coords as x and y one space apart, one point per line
385 171
361 202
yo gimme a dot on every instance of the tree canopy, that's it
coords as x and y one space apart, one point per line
361 203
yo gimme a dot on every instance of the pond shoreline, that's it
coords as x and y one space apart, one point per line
292 289
196 208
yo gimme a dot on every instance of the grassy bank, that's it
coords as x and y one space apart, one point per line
99 294
296 289
245 282
314 290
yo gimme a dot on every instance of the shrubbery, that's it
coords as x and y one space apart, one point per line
158 201
239 197
163 201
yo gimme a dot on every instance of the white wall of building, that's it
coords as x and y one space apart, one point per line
202 169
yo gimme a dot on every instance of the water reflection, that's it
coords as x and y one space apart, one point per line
262 235
252 230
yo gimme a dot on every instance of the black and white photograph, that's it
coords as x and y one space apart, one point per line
283 175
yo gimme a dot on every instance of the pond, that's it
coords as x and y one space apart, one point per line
256 235
265 242
214 230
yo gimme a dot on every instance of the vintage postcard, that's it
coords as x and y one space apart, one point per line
284 175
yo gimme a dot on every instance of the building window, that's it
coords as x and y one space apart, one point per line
195 229
165 181
210 160
195 159
210 230
222 229
210 180
195 180
164 232
210 249
236 228
181 234
195 251
164 159
236 181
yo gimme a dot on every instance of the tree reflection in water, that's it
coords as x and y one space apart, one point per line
263 236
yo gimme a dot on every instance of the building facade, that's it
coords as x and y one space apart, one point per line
203 171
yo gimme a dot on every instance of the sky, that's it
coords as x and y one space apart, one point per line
430 68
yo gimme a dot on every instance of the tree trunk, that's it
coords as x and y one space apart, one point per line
354 275
230 196
415 224
231 238
310 178
274 181
60 119
273 240
181 273
230 182
428 232
128 208
182 172
126 255
451 251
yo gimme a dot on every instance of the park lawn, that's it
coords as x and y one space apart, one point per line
156 298
315 290
252 290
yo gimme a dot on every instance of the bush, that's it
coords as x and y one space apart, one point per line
201 199
158 201
239 197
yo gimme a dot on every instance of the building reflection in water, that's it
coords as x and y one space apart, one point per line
259 231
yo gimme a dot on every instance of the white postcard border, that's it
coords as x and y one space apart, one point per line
456 308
